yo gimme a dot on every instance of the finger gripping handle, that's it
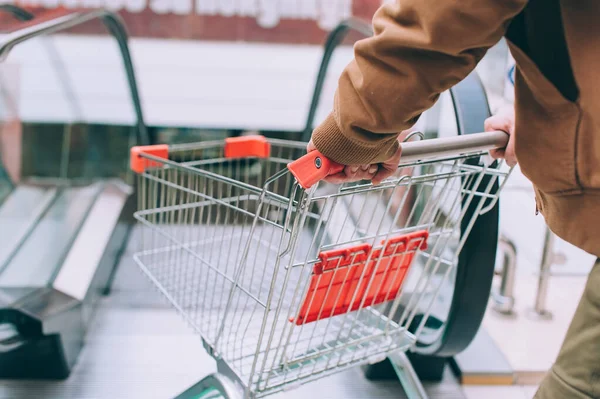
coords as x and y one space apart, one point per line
312 168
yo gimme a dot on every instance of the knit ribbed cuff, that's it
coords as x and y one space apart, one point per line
331 142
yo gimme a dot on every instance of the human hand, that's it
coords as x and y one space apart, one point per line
374 172
350 173
504 120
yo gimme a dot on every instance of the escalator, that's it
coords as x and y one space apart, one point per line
60 238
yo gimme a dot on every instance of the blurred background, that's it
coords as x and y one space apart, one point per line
200 70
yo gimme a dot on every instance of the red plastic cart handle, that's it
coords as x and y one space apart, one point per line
247 146
138 164
312 168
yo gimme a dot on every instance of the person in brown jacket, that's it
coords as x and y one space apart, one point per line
420 49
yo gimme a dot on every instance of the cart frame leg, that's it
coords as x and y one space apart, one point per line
407 376
211 384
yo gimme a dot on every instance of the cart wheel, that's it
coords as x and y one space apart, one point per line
214 386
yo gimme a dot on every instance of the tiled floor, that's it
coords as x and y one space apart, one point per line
529 390
530 344
503 392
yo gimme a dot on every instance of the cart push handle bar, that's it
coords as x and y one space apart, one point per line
314 166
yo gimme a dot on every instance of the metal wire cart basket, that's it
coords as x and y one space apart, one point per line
287 278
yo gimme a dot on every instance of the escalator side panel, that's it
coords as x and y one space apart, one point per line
102 283
96 250
39 257
51 321
19 215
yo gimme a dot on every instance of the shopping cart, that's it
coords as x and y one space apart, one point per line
287 278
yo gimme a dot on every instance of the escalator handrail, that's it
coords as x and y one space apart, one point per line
467 306
116 28
334 39
21 15
24 16
17 12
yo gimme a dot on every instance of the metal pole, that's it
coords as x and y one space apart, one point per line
540 311
504 299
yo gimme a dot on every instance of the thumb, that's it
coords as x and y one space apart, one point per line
383 173
388 168
311 146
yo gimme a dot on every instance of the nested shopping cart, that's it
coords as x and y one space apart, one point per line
288 278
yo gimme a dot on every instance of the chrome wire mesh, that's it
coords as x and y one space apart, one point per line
233 243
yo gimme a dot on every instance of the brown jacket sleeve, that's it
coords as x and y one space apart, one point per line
420 49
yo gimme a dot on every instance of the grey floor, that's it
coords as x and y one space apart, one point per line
138 347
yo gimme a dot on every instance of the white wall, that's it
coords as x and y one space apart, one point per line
182 83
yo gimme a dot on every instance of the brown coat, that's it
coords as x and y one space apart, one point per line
423 47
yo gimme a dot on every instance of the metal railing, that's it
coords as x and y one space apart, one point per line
540 310
504 296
